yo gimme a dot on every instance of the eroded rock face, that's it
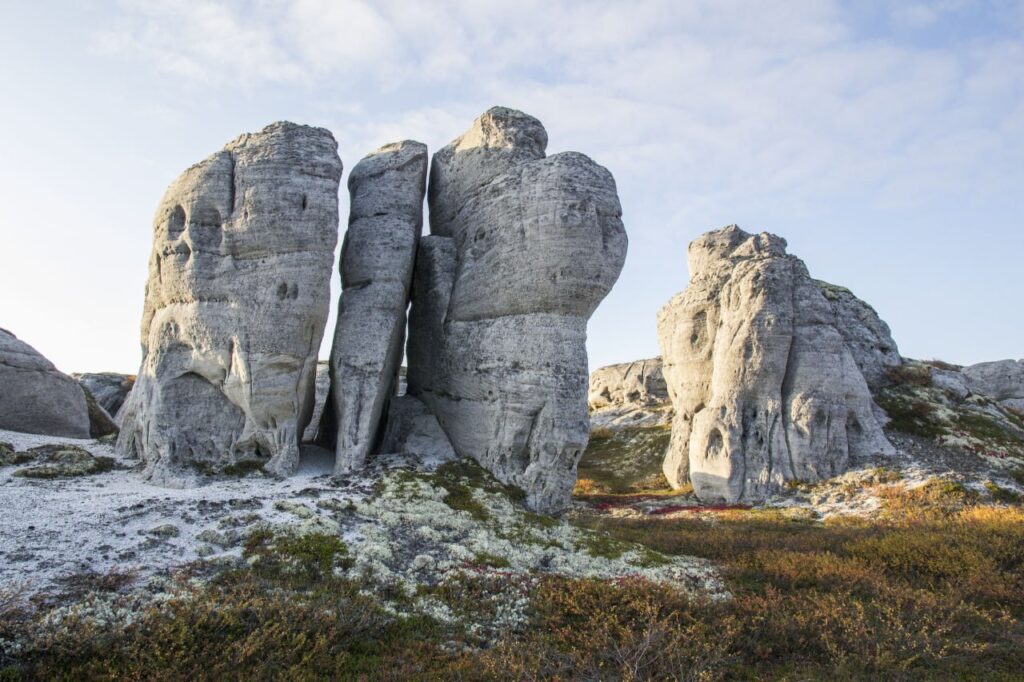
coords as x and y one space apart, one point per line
639 383
386 219
1001 380
867 336
35 397
766 389
109 388
236 303
522 249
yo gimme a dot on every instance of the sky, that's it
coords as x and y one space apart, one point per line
884 141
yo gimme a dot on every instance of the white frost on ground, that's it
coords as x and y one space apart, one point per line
52 528
399 529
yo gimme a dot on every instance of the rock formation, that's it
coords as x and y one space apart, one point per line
522 249
385 222
1001 380
321 391
35 397
765 386
866 335
235 306
109 388
639 383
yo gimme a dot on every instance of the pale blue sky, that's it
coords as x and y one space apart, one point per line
884 141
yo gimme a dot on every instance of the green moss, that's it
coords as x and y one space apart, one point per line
984 428
460 498
624 462
909 415
832 291
303 558
1000 494
492 560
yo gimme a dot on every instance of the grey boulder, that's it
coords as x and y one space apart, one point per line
639 383
1001 380
523 248
765 386
109 388
35 397
235 307
385 221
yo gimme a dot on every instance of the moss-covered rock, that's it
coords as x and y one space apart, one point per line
62 461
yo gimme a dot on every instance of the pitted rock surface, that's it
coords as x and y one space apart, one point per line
236 302
766 389
35 397
522 249
386 219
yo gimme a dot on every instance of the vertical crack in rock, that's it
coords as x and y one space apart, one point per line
228 365
523 248
387 189
776 352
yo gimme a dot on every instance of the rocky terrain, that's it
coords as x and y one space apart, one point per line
779 495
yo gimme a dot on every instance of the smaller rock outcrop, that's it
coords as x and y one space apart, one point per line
866 335
109 388
386 217
1000 380
630 394
412 429
35 397
765 385
640 382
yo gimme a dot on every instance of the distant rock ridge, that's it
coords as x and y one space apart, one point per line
765 384
1001 380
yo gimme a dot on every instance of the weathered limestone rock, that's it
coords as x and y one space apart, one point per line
236 303
385 223
765 387
639 383
1001 380
109 388
35 397
866 335
321 391
523 249
412 429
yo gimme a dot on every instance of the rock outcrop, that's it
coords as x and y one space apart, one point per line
109 388
235 306
522 249
385 222
35 397
765 387
866 335
639 383
629 395
321 391
1000 380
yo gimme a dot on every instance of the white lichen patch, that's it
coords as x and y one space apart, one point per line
414 533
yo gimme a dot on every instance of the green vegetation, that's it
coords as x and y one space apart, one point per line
912 416
1001 494
937 595
624 462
